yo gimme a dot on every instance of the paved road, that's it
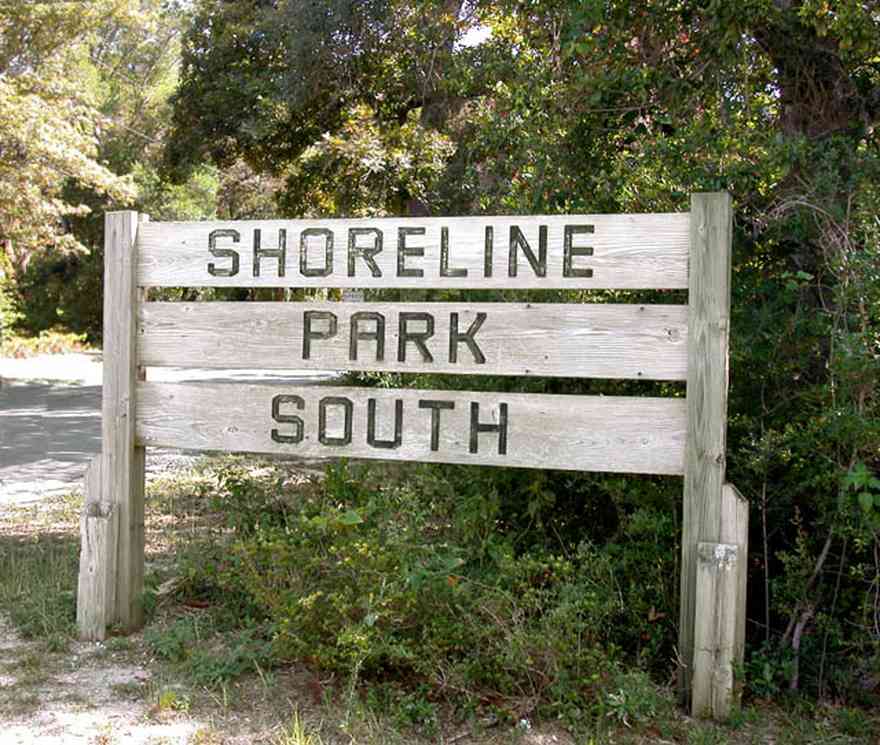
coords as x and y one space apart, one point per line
50 420
48 432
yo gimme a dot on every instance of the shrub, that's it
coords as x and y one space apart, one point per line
403 578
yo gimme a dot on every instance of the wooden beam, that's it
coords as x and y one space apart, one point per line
643 342
735 530
622 434
641 251
123 473
96 593
711 229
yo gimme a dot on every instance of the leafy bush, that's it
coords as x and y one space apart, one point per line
408 579
9 314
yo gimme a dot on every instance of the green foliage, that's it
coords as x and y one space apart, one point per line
172 643
207 654
9 314
50 117
766 671
195 199
60 290
87 86
393 581
862 485
632 698
365 169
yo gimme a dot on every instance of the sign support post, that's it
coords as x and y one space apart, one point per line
123 471
711 231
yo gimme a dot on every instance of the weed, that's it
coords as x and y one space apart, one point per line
56 643
30 661
237 653
633 699
742 716
54 341
206 736
854 723
130 689
416 711
171 699
296 733
118 644
173 643
19 701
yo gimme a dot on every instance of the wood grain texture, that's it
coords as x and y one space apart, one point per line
708 329
735 530
587 340
589 433
717 589
123 473
96 592
627 251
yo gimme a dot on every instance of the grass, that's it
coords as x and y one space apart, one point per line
206 665
39 555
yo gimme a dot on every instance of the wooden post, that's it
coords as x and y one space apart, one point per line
711 231
716 607
123 473
735 530
96 596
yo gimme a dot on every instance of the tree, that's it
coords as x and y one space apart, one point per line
48 131
264 82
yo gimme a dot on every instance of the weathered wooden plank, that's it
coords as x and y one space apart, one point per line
717 589
590 433
96 592
575 251
735 530
708 328
123 473
548 339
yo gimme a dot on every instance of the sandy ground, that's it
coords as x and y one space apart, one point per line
79 699
93 695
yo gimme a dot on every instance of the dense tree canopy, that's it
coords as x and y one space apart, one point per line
84 91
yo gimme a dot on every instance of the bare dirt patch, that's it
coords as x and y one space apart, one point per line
74 697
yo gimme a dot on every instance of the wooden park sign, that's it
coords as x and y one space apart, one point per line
627 434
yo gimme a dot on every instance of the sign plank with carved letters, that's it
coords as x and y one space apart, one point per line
646 342
619 433
549 252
